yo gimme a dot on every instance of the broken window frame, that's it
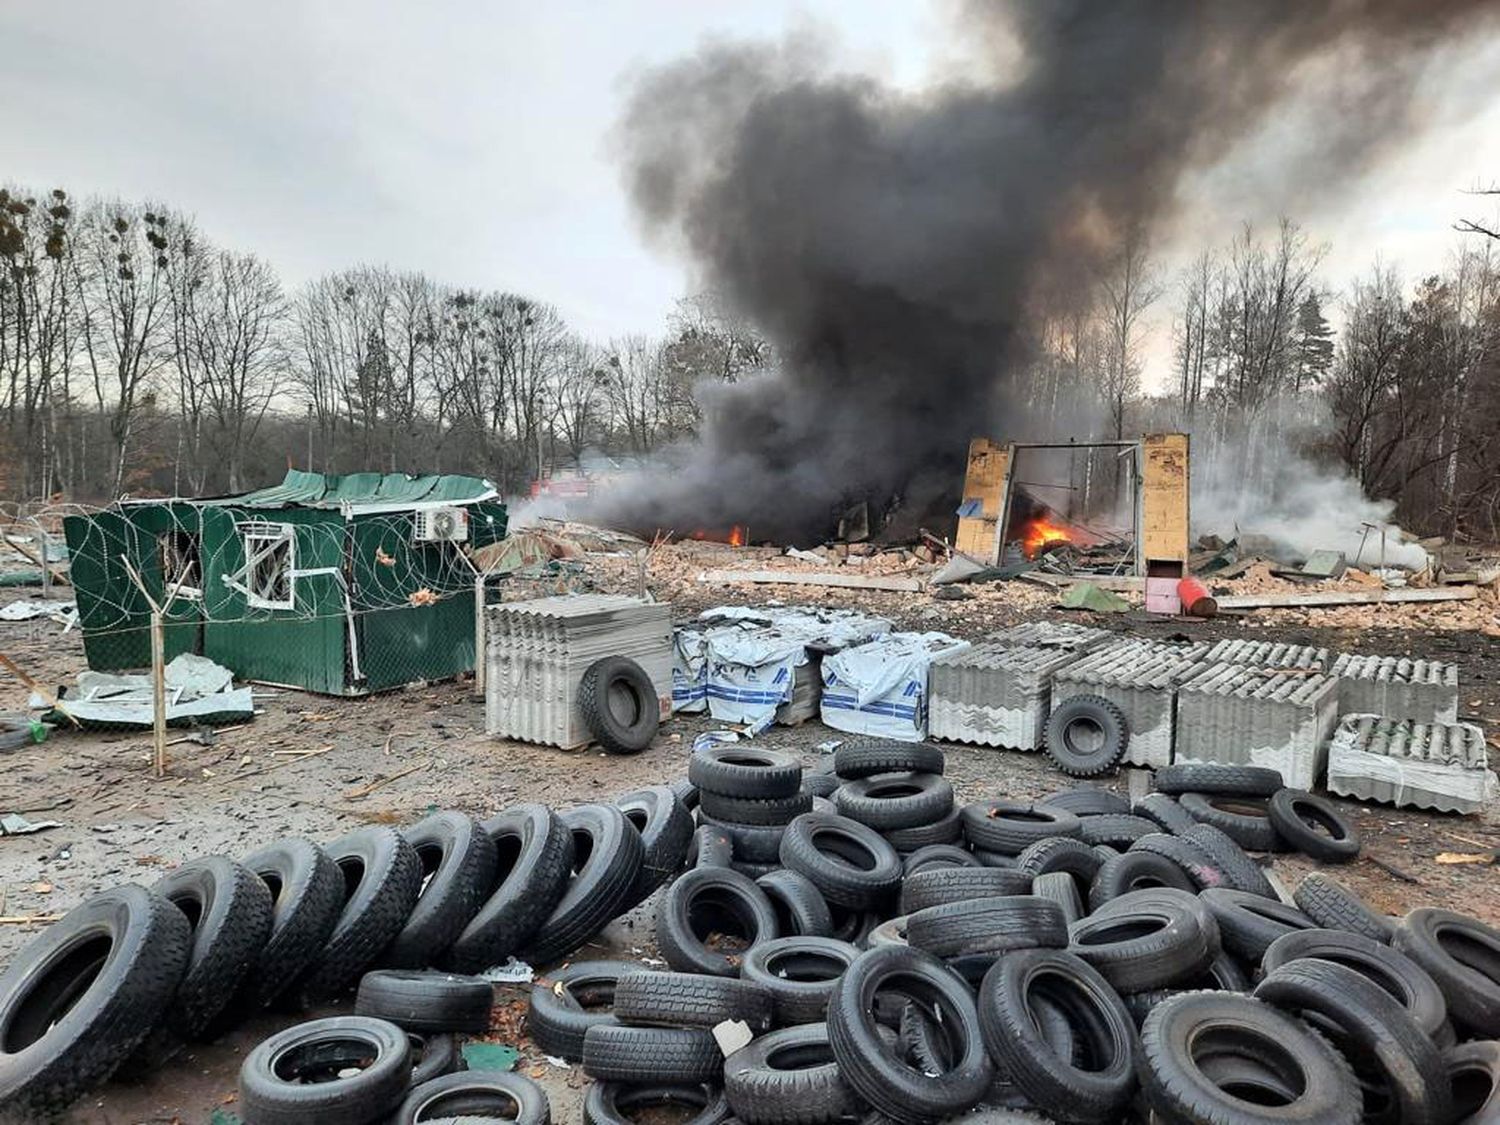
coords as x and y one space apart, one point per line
260 541
178 551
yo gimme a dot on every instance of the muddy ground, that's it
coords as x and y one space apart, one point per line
394 757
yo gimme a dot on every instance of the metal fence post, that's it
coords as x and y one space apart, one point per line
480 656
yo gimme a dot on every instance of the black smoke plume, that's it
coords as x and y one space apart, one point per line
889 243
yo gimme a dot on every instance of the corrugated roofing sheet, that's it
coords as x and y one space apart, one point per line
320 490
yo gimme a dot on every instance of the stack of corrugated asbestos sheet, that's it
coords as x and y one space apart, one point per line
1441 766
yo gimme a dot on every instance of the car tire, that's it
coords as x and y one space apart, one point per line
1152 942
1334 907
1297 817
749 843
712 897
740 770
534 861
800 973
1474 1077
801 910
458 866
989 926
711 847
434 1056
479 1096
947 829
1240 871
619 705
887 801
1134 871
1010 827
849 863
788 1077
382 878
768 812
1116 830
370 1085
1243 819
621 1103
607 856
1249 923
665 826
1165 811
1087 800
1086 735
1060 853
566 1003
1462 955
426 1000
1227 781
960 884
865 759
936 857
83 994
616 1053
1061 888
651 999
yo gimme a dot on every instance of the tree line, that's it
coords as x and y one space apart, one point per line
138 356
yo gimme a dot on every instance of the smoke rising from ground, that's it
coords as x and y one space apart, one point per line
890 243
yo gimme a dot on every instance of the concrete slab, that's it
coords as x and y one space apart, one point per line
1244 714
1141 678
994 694
1442 766
1425 691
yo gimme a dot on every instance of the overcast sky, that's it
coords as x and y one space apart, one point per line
470 139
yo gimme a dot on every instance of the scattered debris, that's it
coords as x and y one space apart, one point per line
199 692
64 613
812 578
511 972
1087 595
14 824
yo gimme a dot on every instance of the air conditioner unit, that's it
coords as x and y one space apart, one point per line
442 525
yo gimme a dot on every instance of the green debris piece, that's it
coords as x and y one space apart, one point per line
221 1116
1085 595
21 578
490 1056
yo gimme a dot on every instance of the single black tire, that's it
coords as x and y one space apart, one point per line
1249 923
618 1103
886 801
988 858
740 770
1204 1055
865 759
789 1077
665 826
1474 1079
764 811
1165 811
1394 972
1222 975
1134 871
988 925
1087 800
1334 906
819 783
686 792
1173 898
947 829
650 999
750 843
1312 826
1009 827
712 900
847 861
1060 853
83 994
753 870
1061 888
801 909
960 884
607 855
346 1070
1153 942
1373 1029
892 1087
710 847
307 897
458 865
534 861
619 705
1462 955
382 879
1098 1088
478 1096
566 1003
1228 781
1243 819
800 973
1193 860
1086 735
434 1056
1114 830
1242 872
428 1001
616 1053
936 857
229 909
890 932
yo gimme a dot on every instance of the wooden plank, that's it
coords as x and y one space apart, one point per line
1361 597
984 480
1164 499
814 578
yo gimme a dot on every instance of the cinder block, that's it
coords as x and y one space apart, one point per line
1442 766
994 694
1245 714
1269 654
537 651
1141 678
1425 691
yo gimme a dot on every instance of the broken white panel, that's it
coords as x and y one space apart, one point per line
1141 678
880 688
689 670
1442 766
751 672
1246 714
1425 691
994 695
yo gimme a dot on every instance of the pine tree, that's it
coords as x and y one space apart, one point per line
1314 354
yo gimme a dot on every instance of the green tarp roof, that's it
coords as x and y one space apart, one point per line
327 490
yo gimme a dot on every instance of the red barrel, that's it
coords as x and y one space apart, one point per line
1195 598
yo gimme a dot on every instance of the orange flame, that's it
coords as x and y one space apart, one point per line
736 536
1039 536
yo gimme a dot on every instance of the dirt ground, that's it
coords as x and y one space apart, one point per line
119 824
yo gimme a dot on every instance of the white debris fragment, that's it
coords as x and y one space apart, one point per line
512 972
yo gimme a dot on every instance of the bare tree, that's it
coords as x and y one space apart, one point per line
1128 286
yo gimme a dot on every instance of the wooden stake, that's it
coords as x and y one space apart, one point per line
480 656
158 694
